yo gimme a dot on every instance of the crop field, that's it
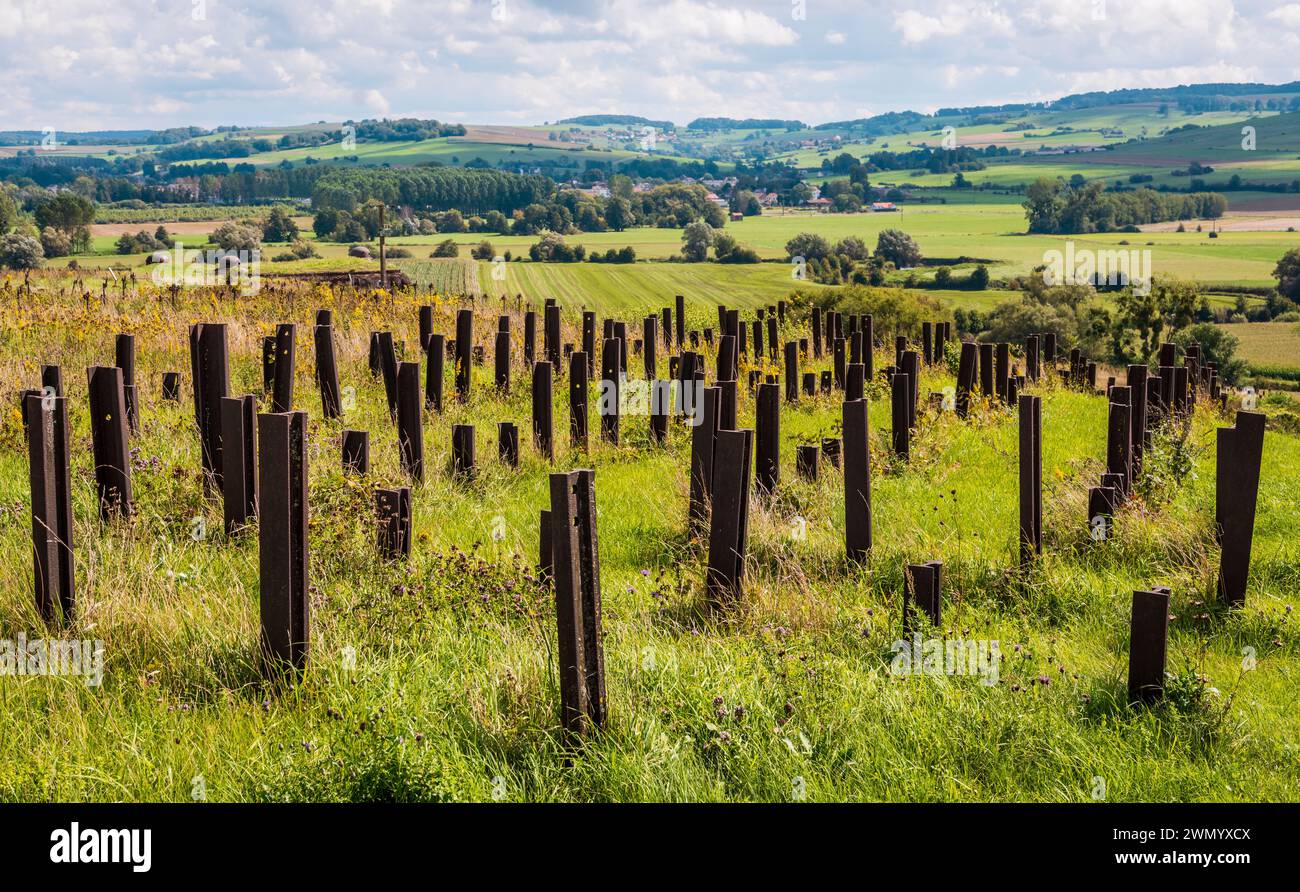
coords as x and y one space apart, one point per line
991 232
637 289
449 276
1268 343
435 679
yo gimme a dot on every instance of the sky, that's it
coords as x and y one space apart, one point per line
145 64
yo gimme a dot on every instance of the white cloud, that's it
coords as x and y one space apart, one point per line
1288 15
951 20
85 64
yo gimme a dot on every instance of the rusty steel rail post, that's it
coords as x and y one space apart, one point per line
282 540
576 570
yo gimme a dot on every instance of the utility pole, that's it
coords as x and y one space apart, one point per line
383 262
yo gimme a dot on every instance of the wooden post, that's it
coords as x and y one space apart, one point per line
108 429
767 436
729 530
436 356
282 539
1118 448
988 386
857 479
327 372
589 341
1137 385
576 561
650 335
388 367
508 443
681 320
579 363
966 372
703 439
463 462
51 489
805 461
927 342
727 361
869 345
841 360
792 372
900 392
1103 501
1031 357
551 335
410 420
286 337
530 337
239 429
543 416
912 368
210 373
356 452
464 352
1148 639
831 449
816 323
393 510
124 359
661 399
268 364
1031 478
1002 368
502 361
610 387
620 334
375 363
171 386
426 326
922 593
1239 453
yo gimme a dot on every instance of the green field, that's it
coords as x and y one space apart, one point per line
643 287
1268 343
992 232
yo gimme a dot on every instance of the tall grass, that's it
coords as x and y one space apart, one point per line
436 680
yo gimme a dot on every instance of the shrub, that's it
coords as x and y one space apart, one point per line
238 237
55 243
807 245
279 226
446 248
21 251
740 254
897 247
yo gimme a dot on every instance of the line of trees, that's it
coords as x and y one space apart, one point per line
431 189
1055 206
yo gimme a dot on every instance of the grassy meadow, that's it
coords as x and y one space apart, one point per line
437 681
991 231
